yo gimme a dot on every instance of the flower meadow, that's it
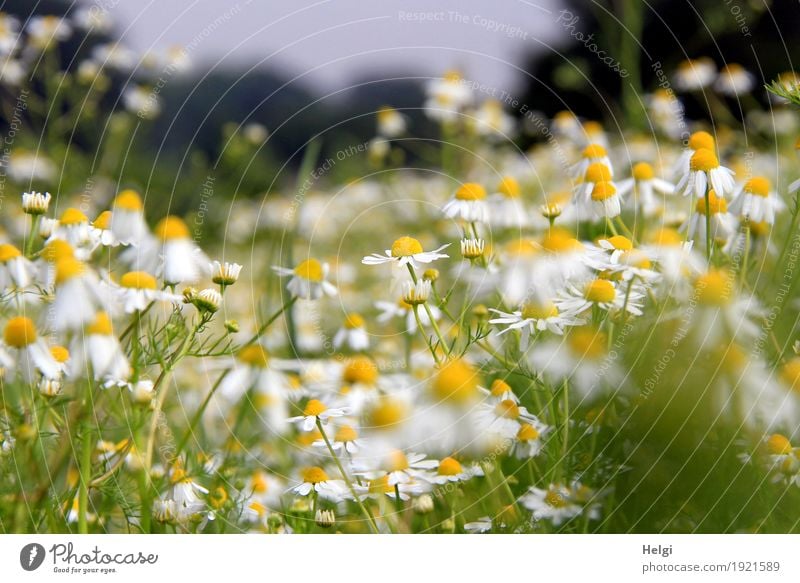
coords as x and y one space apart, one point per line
596 334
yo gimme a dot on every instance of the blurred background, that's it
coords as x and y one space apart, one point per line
293 70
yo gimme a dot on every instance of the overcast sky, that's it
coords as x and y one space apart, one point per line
332 42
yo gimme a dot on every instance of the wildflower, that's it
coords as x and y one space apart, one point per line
596 173
352 334
16 271
207 300
78 294
451 470
181 261
605 295
506 209
345 439
455 382
693 75
182 501
706 172
29 351
308 280
734 80
397 466
46 31
592 154
142 102
756 201
529 440
468 204
225 274
472 248
723 223
535 316
446 97
315 410
325 518
138 289
35 203
559 504
481 525
504 419
142 391
490 120
99 351
73 227
391 123
643 185
127 218
402 309
722 315
315 479
697 141
405 251
605 201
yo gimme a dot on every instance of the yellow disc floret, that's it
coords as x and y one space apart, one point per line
588 342
509 187
790 374
527 432
314 408
600 291
68 268
353 321
138 280
758 185
406 247
386 413
254 355
507 409
539 310
603 191
597 172
456 381
128 200
60 353
703 160
778 444
716 204
360 369
594 151
313 475
101 325
20 332
310 269
642 171
103 221
714 288
171 228
73 216
471 191
701 141
450 467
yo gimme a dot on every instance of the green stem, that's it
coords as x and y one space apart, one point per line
85 465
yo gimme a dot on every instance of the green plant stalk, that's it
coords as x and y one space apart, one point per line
85 465
346 479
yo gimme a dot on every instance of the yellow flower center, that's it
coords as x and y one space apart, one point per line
314 408
397 462
345 433
703 160
171 228
178 475
554 499
254 355
701 141
588 342
57 249
103 221
386 413
509 187
715 203
666 237
68 268
128 200
101 325
790 373
360 369
73 216
603 191
539 310
642 171
313 475
452 76
310 269
560 241
499 388
406 247
778 444
759 229
521 247
20 332
259 483
138 280
507 409
380 485
714 288
456 381
353 321
597 172
758 185
8 252
449 467
527 432
594 151
471 191
620 243
600 291
60 353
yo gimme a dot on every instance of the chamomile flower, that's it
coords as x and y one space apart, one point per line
756 201
534 316
315 410
184 497
695 74
645 189
308 280
468 204
596 173
406 251
391 123
559 504
603 294
722 315
502 420
506 209
705 172
16 271
734 80
73 227
35 203
344 440
490 120
181 260
447 97
352 334
723 224
98 350
699 140
529 440
127 218
78 295
592 154
667 112
399 467
100 231
31 356
604 200
315 479
402 309
138 289
225 274
45 31
451 470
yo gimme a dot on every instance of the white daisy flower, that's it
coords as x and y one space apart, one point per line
406 251
78 295
695 74
734 80
559 504
316 410
534 316
308 280
604 294
506 209
646 190
314 479
391 123
756 201
16 271
451 470
723 224
138 289
468 204
352 334
98 350
401 309
30 355
127 218
35 203
592 154
705 172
